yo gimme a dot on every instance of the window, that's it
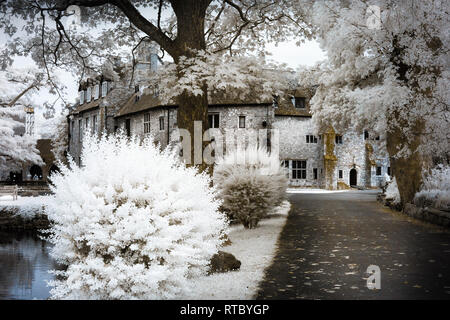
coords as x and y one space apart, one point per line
213 120
298 169
315 173
275 102
338 139
96 91
147 123
80 130
136 88
128 127
161 123
241 121
340 174
377 138
300 102
87 124
378 171
81 97
389 171
94 124
311 139
156 90
366 134
88 94
104 88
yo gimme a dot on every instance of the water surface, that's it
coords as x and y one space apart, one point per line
24 265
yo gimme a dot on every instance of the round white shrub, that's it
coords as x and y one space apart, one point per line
131 223
251 183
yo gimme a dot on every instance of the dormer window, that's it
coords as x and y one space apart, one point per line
96 91
300 102
88 94
104 88
81 97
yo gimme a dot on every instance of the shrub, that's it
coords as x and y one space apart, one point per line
251 183
392 192
435 191
131 223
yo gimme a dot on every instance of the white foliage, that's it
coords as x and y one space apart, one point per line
15 147
251 183
392 192
25 207
132 222
238 77
435 189
60 138
363 84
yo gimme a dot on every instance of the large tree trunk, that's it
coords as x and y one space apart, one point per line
190 24
407 170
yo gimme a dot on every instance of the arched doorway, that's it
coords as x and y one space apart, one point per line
15 176
353 177
36 172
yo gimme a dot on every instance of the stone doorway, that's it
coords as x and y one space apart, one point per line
353 178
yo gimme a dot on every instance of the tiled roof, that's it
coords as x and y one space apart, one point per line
149 101
87 106
146 101
285 106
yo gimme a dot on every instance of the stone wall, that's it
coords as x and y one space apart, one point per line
293 146
75 145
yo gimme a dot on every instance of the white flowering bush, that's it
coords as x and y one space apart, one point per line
392 192
251 183
131 223
435 189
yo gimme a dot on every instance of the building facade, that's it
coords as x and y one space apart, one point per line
311 159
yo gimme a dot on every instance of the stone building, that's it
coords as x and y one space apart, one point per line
321 160
312 159
331 160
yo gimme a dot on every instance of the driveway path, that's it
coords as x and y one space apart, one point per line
331 238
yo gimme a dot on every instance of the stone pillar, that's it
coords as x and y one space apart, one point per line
330 160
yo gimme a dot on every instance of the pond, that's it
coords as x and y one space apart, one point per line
24 265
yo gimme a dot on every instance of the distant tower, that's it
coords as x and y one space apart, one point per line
146 61
29 121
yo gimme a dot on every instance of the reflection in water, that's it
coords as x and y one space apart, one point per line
24 265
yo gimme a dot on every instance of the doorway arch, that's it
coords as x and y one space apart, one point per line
353 177
36 172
